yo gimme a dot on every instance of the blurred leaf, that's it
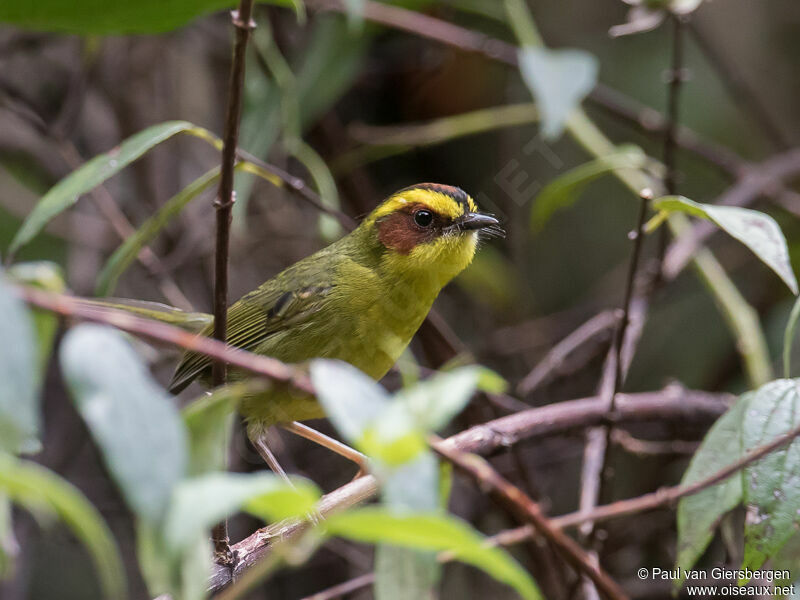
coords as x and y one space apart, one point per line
559 81
788 338
46 276
330 63
94 172
435 401
771 485
432 532
684 7
754 229
8 543
699 514
39 489
351 399
639 20
201 502
132 419
123 256
404 574
19 398
121 17
190 321
208 422
565 189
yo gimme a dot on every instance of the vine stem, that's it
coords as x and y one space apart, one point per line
243 24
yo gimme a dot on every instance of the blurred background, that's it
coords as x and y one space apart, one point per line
354 87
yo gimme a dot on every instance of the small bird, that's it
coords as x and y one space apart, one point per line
359 300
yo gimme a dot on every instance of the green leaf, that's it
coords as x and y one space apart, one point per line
559 81
565 189
130 248
46 276
208 421
772 484
788 338
67 191
699 514
39 489
131 418
201 502
434 532
754 229
19 398
352 400
9 548
122 17
435 401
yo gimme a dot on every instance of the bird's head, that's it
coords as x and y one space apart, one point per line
430 227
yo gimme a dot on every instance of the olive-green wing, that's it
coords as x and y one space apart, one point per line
257 316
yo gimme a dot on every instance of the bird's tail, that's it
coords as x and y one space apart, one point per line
190 321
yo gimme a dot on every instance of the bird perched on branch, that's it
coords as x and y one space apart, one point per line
359 300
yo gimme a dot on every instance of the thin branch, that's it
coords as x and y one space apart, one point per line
668 405
256 364
554 359
243 24
660 498
528 510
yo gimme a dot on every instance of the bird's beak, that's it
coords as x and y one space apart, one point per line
473 221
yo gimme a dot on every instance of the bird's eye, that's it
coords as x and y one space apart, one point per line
423 218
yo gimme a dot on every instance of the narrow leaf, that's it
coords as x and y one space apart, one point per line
132 419
67 191
754 229
19 400
559 81
36 488
565 189
433 532
130 248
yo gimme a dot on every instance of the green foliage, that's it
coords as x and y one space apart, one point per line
788 338
435 532
754 229
131 418
67 191
44 493
127 16
769 488
699 514
392 431
208 422
200 502
19 397
565 189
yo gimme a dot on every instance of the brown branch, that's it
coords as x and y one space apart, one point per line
660 498
554 359
262 366
243 23
528 510
668 405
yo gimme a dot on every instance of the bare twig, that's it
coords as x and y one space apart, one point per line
651 447
554 359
